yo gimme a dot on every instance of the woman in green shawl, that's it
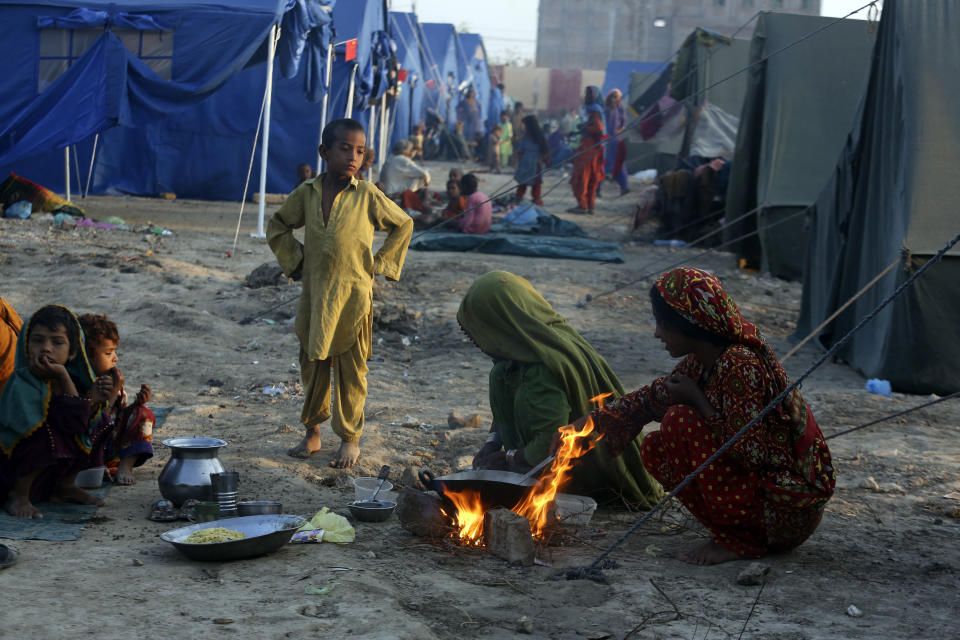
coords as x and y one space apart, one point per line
543 378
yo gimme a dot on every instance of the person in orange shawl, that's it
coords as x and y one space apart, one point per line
10 324
769 490
588 161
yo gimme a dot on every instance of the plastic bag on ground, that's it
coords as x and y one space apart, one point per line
335 527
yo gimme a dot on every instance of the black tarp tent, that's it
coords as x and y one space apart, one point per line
797 112
895 194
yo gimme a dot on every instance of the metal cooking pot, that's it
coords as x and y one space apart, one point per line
497 488
187 472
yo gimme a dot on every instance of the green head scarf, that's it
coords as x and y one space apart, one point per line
509 320
26 397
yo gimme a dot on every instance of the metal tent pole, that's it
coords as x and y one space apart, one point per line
372 138
326 101
66 169
265 147
93 155
384 138
353 81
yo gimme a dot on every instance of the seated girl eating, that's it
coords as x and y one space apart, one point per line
769 490
46 436
129 426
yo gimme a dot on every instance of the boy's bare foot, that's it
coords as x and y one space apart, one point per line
72 493
346 456
20 507
708 553
308 446
125 472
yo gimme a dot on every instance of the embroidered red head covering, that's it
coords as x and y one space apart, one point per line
699 297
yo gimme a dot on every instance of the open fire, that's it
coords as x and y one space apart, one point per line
535 506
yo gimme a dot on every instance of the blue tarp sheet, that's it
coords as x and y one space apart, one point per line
474 63
105 83
530 219
405 30
203 151
365 20
535 246
618 74
441 62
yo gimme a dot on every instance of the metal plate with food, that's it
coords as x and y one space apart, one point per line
262 534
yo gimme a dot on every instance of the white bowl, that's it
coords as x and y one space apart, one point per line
91 478
363 488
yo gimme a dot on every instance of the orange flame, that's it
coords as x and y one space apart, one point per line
469 515
574 444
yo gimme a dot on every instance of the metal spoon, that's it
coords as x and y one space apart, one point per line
537 468
384 473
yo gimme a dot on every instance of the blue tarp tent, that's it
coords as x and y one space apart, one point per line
365 20
441 61
619 72
474 63
408 108
82 71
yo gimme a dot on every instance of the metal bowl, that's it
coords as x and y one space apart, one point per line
259 507
265 533
376 511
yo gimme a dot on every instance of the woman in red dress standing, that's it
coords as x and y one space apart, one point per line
769 490
588 161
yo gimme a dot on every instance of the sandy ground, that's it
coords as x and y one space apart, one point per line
887 543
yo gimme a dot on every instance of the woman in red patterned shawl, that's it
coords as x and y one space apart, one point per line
769 490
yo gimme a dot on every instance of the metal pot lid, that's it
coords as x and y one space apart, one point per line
194 443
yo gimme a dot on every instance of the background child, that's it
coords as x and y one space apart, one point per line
456 203
130 427
45 416
533 153
506 139
416 138
479 211
335 317
304 172
492 148
369 157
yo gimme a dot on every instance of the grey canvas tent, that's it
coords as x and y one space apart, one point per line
702 77
798 109
894 196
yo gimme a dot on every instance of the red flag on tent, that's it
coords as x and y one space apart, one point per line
402 75
431 84
351 49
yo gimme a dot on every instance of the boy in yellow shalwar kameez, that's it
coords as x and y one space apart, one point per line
339 214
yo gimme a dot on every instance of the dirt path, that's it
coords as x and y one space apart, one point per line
887 543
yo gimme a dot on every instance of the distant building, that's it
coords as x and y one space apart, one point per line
586 34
